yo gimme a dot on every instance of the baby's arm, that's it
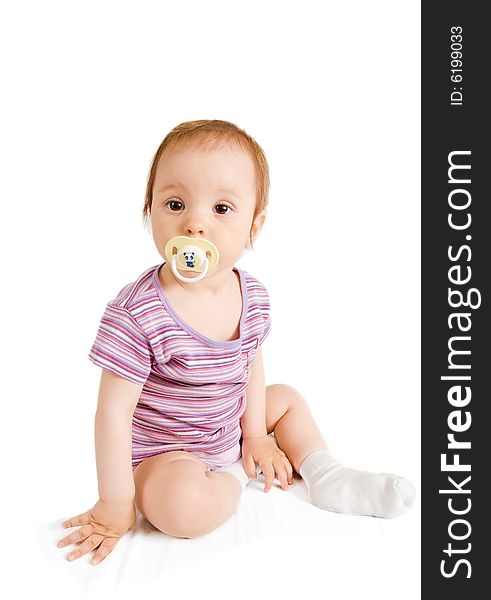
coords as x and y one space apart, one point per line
117 400
257 446
114 513
253 421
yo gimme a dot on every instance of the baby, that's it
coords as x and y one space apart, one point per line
184 418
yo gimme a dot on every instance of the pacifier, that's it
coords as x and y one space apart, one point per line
191 254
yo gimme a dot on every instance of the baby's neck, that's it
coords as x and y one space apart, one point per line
212 285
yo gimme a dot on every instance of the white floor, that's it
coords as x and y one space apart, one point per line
276 543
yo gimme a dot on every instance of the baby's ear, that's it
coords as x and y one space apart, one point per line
256 227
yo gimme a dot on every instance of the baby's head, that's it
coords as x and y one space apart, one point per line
208 179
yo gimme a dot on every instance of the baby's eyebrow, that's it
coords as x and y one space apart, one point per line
176 185
170 186
228 191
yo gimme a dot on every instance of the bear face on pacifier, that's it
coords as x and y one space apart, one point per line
191 254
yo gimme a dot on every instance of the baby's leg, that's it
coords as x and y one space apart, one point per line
289 417
176 493
331 485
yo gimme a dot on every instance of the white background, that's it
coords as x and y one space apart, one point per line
331 92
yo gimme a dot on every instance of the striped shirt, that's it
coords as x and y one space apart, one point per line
194 387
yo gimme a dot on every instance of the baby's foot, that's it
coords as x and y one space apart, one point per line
349 491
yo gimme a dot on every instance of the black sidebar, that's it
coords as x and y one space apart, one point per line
456 257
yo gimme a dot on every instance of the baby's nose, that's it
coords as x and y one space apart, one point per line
197 230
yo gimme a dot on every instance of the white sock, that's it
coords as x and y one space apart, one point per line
340 489
237 470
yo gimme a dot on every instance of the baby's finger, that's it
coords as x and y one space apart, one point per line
268 472
249 466
281 474
104 549
81 519
289 469
76 536
90 543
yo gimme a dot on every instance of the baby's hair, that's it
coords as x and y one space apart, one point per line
208 135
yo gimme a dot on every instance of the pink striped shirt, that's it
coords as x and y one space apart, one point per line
194 387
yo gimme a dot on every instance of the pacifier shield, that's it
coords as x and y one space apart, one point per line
191 253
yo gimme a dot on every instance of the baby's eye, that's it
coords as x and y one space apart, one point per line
174 205
220 208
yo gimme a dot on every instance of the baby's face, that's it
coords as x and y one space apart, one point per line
209 194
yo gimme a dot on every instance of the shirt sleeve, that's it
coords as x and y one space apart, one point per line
121 345
265 308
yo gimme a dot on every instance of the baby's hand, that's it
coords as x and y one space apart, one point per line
102 527
264 452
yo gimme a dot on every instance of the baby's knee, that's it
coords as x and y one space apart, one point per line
181 499
290 396
183 508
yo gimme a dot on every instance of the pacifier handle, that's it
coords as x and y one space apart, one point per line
188 279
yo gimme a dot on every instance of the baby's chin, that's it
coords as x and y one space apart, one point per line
187 274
